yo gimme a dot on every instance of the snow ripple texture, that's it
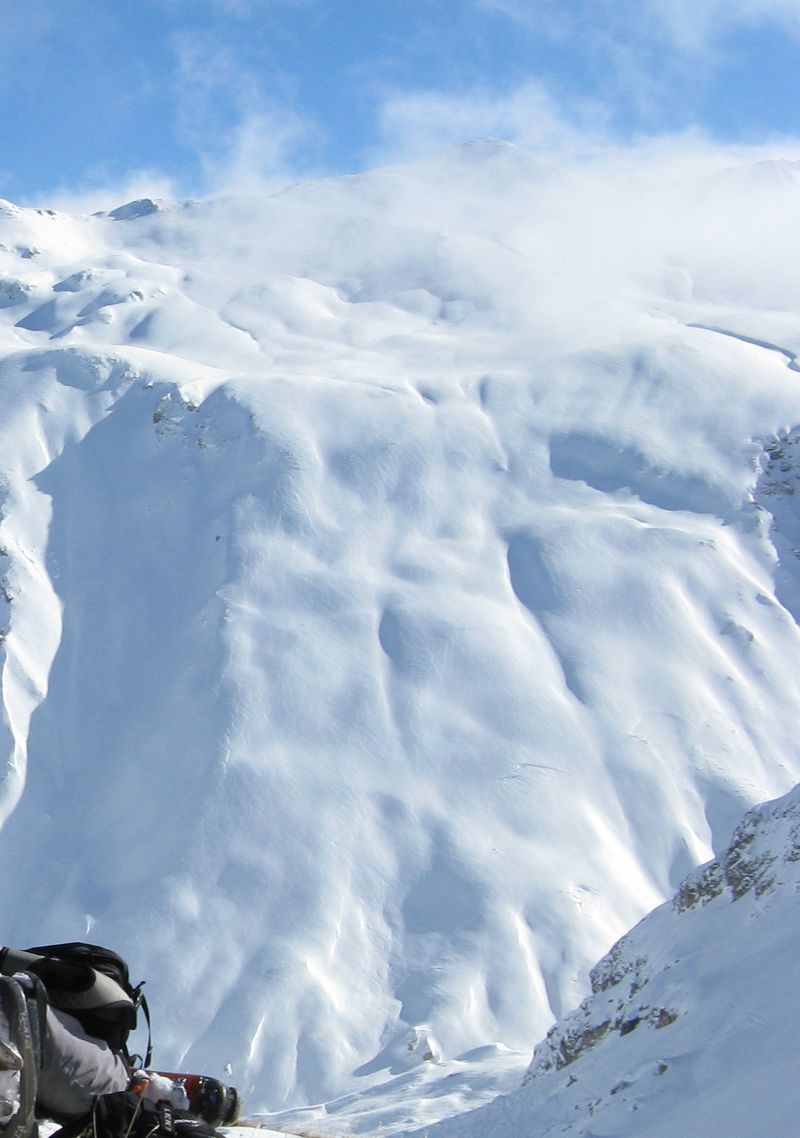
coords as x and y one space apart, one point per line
399 593
692 1021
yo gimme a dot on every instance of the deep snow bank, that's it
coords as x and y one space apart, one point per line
395 609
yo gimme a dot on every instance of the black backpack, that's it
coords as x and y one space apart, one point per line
91 983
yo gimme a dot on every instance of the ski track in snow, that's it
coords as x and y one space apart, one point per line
399 599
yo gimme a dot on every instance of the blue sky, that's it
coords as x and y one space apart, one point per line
187 97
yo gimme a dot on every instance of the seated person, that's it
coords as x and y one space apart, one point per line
52 1067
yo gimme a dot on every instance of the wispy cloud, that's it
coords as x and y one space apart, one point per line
260 150
691 26
100 191
412 123
243 9
242 137
226 98
655 63
548 17
684 25
231 133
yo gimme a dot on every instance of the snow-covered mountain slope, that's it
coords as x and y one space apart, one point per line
692 1024
400 592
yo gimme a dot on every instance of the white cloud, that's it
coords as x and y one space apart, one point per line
654 61
545 16
99 191
239 9
242 137
259 150
692 25
413 123
682 25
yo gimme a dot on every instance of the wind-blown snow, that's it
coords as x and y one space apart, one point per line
400 592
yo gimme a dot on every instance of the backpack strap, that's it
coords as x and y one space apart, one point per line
135 1061
146 1010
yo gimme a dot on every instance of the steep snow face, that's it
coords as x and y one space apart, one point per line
692 1023
399 593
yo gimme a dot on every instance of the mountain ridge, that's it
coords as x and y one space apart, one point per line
422 590
700 994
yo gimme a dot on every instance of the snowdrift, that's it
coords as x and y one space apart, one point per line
399 592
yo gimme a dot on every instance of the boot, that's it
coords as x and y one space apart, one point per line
203 1096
